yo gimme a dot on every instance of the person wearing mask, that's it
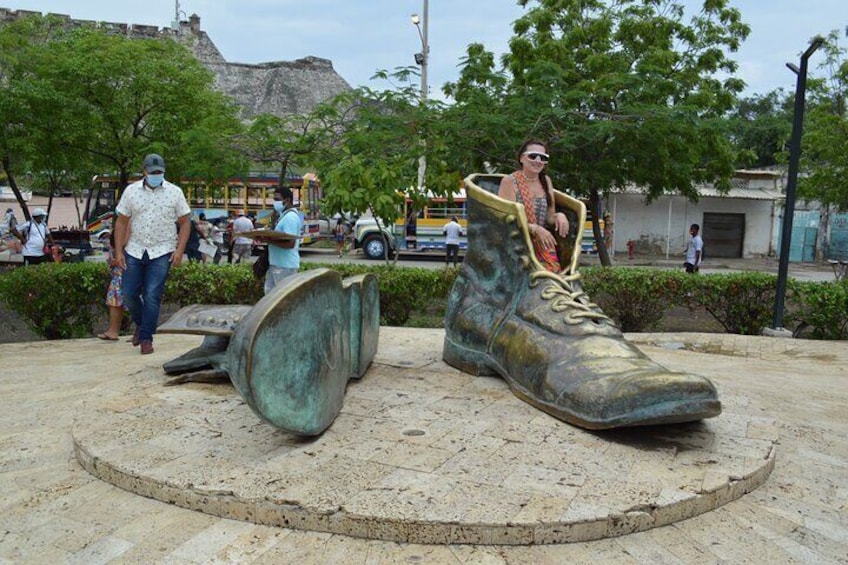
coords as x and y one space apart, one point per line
35 237
283 254
154 212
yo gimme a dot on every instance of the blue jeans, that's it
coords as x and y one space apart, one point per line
144 284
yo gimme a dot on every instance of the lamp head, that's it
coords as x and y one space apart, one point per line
415 19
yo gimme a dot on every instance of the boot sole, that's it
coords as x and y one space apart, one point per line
674 412
293 354
479 363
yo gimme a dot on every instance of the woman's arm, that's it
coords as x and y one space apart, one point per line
558 220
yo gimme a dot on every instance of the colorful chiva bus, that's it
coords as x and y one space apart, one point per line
253 195
422 228
418 228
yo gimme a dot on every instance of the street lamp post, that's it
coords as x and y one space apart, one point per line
792 181
422 59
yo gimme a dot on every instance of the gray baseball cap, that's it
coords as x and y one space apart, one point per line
154 163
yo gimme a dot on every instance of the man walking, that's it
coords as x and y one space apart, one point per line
452 232
243 246
694 250
283 254
152 208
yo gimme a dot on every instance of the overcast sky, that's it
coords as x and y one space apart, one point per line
362 36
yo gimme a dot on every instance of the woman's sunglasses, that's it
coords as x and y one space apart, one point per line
534 156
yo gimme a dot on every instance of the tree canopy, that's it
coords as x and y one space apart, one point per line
824 155
79 99
623 93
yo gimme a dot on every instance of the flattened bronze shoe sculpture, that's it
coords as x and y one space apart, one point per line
539 331
291 355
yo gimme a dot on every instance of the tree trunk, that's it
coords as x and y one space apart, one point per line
14 185
822 241
601 244
124 176
284 166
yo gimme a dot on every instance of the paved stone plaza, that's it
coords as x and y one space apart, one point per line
420 453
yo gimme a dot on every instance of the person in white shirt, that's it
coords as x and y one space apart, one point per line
694 250
151 209
35 237
243 246
452 232
218 239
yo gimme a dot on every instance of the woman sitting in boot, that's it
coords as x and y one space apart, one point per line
531 187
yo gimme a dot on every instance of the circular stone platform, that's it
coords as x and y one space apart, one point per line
420 453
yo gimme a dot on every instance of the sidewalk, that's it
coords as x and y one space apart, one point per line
820 272
52 511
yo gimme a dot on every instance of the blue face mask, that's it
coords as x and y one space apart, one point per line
279 206
155 180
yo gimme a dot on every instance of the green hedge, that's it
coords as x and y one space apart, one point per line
64 300
636 298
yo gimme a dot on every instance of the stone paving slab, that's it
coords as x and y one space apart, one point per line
420 453
53 511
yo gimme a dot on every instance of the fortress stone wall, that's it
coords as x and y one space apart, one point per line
281 88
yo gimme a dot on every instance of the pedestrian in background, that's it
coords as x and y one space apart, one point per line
452 232
114 295
340 234
35 237
694 250
243 246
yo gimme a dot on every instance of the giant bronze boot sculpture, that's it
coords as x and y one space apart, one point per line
292 354
557 350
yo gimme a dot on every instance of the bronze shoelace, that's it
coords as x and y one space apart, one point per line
564 297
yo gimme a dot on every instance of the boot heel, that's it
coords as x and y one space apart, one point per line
467 360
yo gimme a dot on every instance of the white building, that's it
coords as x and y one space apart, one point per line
742 223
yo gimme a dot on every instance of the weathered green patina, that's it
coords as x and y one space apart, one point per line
291 355
538 330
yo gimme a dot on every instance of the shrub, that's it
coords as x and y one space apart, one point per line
741 302
64 300
820 308
635 298
58 300
205 283
403 290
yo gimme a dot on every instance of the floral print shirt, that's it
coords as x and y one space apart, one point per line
153 215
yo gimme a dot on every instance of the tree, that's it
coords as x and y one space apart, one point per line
370 146
761 126
22 47
133 96
824 156
273 140
623 92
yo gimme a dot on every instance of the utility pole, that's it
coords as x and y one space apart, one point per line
792 181
423 59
